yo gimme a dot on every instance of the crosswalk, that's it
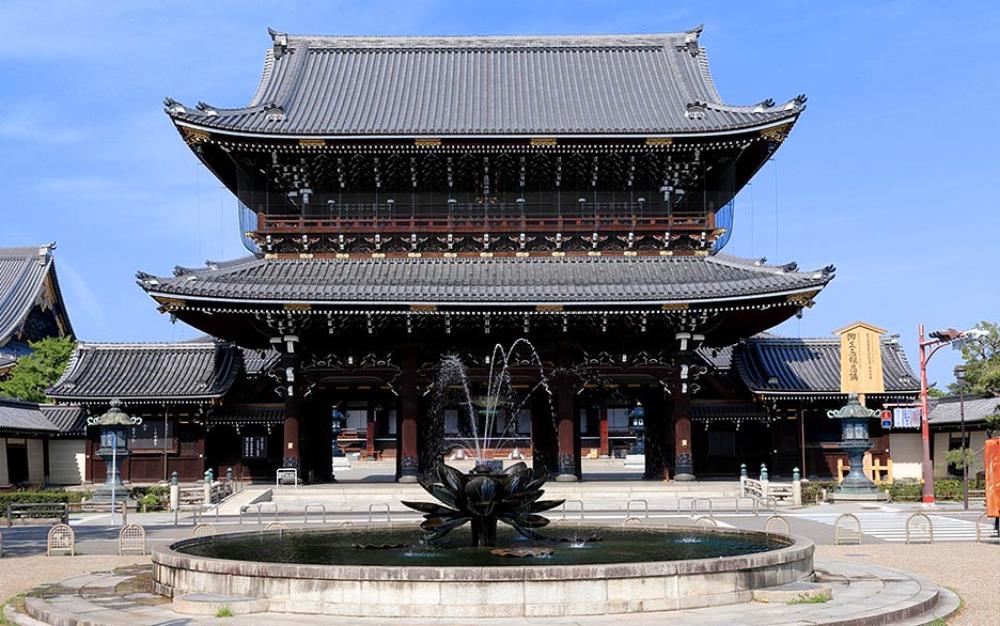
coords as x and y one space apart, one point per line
891 526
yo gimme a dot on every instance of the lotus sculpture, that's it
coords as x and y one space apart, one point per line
482 498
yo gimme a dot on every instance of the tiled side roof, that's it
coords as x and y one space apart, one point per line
552 85
783 366
23 272
949 410
23 416
68 419
728 411
179 372
501 280
247 414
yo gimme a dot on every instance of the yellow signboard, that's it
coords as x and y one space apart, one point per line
861 358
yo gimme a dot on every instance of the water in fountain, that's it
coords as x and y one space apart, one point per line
485 495
498 407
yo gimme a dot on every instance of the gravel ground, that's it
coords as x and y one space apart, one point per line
21 574
971 570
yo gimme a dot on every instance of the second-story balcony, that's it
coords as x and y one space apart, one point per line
423 226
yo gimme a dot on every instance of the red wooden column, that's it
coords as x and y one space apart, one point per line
683 460
605 445
291 439
566 431
409 397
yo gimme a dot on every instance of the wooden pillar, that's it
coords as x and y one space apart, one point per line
683 448
409 453
569 449
657 435
605 445
291 439
370 433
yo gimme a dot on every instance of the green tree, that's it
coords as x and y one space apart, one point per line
36 372
982 362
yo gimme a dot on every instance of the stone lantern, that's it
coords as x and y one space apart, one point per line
337 422
854 441
113 449
636 456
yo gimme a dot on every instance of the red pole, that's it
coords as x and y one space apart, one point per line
927 467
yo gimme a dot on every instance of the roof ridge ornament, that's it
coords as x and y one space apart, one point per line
274 112
690 44
280 41
695 110
207 109
173 107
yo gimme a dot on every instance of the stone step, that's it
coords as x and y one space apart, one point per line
217 605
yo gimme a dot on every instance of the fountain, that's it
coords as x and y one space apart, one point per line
484 496
479 552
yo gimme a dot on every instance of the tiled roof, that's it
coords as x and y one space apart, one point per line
787 366
23 416
474 280
528 85
179 372
23 272
949 410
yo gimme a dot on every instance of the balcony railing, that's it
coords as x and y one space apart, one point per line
491 218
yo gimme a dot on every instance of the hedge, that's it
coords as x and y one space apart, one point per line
944 489
39 497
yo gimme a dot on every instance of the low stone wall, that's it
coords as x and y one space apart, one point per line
513 591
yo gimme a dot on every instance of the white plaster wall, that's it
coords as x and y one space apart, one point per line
906 451
4 478
36 461
977 441
66 461
940 451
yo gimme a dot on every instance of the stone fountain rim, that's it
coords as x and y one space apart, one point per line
798 548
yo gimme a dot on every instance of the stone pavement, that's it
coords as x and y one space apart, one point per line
862 594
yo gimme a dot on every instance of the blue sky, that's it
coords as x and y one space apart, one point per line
889 174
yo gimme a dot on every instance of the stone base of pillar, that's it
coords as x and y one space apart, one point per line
408 470
684 468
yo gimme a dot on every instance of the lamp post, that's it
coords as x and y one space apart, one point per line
960 379
938 339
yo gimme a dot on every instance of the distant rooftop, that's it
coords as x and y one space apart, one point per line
789 367
511 85
27 282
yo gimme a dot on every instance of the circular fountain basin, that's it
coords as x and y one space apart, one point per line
627 570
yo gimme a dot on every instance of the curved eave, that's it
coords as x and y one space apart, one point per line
89 400
180 301
182 121
827 394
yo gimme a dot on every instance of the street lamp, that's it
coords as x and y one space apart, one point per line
938 339
960 379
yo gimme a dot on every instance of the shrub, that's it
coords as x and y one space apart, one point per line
814 488
152 498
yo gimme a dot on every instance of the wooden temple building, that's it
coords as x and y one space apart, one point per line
406 198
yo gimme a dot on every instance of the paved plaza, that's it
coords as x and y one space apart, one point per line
954 561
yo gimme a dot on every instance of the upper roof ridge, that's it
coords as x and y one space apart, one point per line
540 41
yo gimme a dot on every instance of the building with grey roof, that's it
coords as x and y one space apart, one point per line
31 303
